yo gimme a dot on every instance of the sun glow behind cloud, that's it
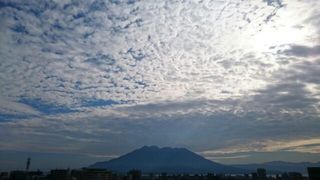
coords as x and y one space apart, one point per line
286 27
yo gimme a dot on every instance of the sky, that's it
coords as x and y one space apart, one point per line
236 81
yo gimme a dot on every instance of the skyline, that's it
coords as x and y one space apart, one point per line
234 81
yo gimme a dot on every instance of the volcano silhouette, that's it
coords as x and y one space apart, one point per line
169 160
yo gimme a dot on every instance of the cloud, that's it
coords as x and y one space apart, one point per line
295 90
303 51
44 107
74 52
274 2
227 157
11 110
95 76
302 145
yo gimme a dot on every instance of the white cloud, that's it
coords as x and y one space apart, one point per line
195 53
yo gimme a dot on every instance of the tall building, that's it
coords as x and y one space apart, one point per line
314 173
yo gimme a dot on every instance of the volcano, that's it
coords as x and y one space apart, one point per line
170 160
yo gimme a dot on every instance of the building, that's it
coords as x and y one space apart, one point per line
314 173
59 174
18 175
93 174
134 175
254 176
212 176
4 176
36 175
262 174
295 176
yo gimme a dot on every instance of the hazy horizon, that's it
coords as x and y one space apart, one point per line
235 81
43 161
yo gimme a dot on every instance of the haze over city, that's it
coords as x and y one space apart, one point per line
83 81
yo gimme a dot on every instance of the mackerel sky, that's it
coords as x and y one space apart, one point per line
237 81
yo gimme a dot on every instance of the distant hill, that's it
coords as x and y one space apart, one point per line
170 160
280 166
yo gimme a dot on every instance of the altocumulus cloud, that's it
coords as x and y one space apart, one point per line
101 77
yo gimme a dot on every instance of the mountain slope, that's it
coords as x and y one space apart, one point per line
170 160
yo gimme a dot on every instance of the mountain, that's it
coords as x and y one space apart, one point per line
280 166
169 160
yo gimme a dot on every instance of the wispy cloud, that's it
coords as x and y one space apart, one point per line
302 145
226 157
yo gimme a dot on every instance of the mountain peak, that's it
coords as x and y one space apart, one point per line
149 147
157 148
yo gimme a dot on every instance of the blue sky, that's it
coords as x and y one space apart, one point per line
235 81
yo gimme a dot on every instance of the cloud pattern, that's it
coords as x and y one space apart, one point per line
86 76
